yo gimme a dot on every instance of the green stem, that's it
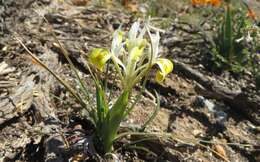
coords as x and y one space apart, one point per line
117 67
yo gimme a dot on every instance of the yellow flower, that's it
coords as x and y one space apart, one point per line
98 57
165 67
133 57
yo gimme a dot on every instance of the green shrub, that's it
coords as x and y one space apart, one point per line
230 50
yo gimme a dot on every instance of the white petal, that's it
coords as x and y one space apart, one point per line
134 31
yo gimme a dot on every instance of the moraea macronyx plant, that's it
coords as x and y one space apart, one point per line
133 57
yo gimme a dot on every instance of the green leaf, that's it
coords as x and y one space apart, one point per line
155 112
228 33
113 120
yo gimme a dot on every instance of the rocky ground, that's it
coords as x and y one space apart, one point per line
211 117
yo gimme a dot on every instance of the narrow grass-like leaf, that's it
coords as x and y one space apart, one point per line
81 83
66 55
136 142
155 112
229 33
141 148
62 81
136 100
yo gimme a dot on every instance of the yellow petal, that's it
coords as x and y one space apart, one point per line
140 43
136 53
165 67
143 43
98 57
159 76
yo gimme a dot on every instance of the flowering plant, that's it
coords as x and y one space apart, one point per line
132 56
